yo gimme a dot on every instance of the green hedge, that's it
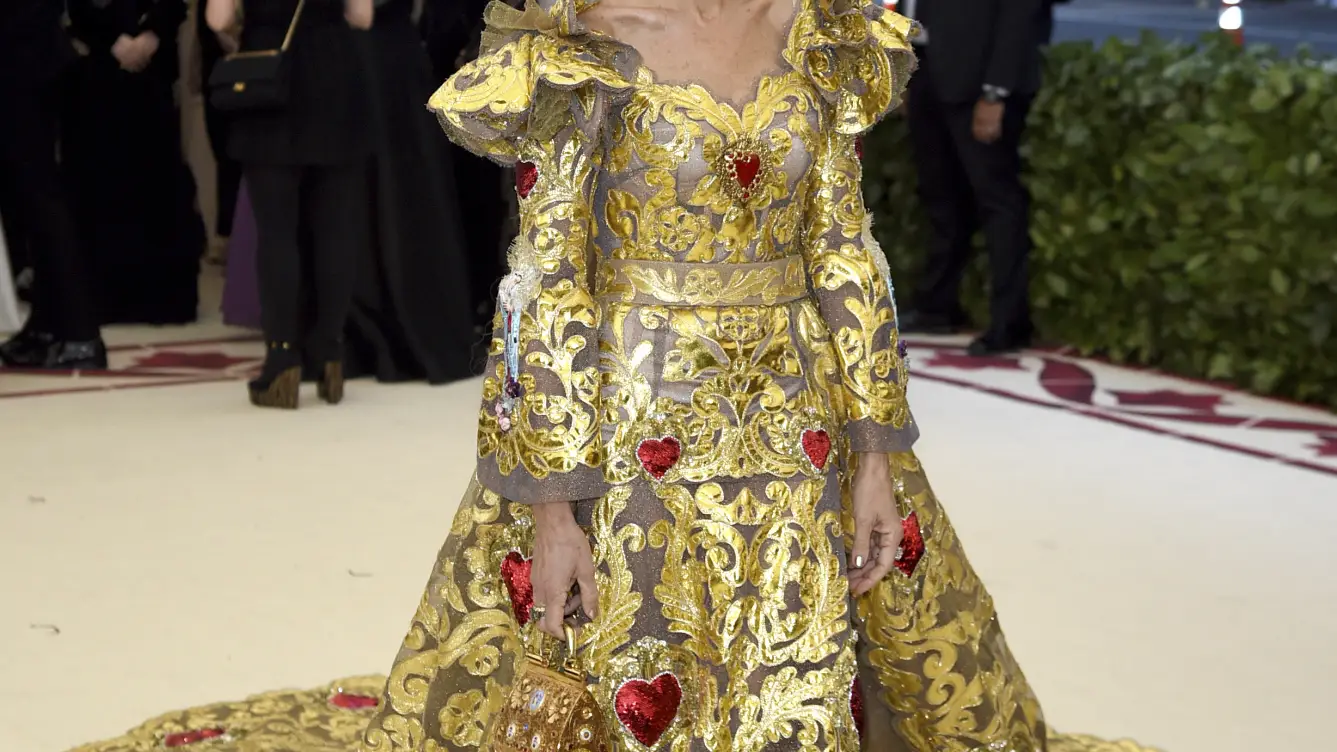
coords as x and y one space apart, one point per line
1185 211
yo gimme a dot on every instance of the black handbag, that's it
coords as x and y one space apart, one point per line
254 79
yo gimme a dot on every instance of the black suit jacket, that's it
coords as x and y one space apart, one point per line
33 46
977 42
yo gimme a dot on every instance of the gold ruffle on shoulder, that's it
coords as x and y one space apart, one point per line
539 68
858 55
331 719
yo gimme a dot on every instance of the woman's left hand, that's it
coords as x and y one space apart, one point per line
877 524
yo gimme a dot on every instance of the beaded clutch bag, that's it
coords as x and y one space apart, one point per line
549 709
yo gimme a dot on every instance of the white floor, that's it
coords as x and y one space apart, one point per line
164 547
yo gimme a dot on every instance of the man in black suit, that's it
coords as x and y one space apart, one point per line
62 332
978 74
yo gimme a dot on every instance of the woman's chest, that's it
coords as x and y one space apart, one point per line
681 143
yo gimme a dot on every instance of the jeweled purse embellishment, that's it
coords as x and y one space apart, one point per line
550 709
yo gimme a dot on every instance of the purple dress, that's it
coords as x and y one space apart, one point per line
241 297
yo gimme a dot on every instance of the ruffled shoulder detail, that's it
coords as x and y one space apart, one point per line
857 54
539 70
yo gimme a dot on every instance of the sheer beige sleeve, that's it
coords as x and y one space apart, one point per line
539 105
853 287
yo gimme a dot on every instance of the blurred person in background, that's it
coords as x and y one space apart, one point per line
411 316
484 187
979 71
62 330
227 171
305 166
133 194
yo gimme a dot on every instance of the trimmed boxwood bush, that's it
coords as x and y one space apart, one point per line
1185 211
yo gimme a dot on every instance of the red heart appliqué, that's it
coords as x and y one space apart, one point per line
746 168
349 701
515 571
856 705
647 708
526 177
912 545
817 445
658 456
187 738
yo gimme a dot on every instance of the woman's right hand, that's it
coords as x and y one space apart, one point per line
562 558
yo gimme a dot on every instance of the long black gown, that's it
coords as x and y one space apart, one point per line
411 314
452 26
133 195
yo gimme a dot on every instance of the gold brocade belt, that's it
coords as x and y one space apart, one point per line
671 283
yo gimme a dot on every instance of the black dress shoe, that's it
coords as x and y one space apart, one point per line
919 322
27 349
88 355
986 346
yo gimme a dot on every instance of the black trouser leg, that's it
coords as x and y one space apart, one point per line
335 204
62 305
944 192
227 171
276 202
227 183
994 171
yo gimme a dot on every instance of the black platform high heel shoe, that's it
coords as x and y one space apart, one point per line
331 385
280 380
326 358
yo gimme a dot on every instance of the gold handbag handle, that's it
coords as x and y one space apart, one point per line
287 38
570 664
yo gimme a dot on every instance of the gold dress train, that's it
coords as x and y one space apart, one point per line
696 339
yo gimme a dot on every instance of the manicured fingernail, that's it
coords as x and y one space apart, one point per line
858 562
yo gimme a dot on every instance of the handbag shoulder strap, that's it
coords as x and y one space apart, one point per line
292 27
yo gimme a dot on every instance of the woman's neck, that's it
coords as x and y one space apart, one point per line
703 11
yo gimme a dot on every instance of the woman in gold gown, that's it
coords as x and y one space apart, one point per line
697 368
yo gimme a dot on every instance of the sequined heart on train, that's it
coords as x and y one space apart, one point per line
647 708
658 456
912 545
350 701
195 736
515 571
817 445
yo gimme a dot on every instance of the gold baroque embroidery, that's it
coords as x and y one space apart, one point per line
554 426
750 388
856 297
674 284
976 697
754 588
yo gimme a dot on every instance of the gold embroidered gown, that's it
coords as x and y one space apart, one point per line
697 334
